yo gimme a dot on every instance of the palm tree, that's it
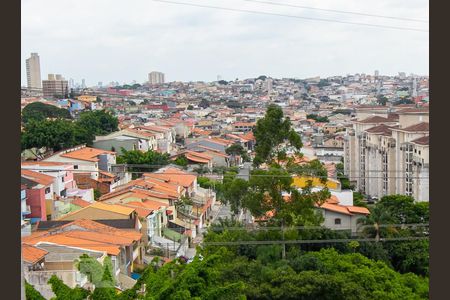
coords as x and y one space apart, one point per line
374 220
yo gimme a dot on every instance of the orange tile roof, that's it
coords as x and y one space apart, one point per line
86 153
336 208
113 208
196 158
32 254
358 210
42 163
37 177
174 175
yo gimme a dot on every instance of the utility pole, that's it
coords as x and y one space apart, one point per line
284 244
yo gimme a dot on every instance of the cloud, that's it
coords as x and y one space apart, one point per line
102 40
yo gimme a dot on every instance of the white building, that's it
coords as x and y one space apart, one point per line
33 72
389 155
156 77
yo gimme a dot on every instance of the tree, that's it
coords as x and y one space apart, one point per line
382 100
190 107
181 161
40 111
233 193
98 122
273 134
318 118
203 103
152 159
52 134
345 182
63 292
237 149
31 293
325 274
375 219
404 210
105 289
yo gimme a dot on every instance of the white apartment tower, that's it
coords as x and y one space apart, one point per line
388 152
156 77
33 72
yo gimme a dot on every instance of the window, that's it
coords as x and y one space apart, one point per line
47 190
337 221
420 152
75 167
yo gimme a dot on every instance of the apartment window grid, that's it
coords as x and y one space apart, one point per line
409 169
362 161
385 172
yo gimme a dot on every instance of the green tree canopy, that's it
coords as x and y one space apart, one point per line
151 160
318 118
273 134
63 292
40 111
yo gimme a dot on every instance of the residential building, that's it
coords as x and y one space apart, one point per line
92 167
55 87
59 244
381 154
39 194
33 72
156 77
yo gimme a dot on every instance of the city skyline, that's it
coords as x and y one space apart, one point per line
195 44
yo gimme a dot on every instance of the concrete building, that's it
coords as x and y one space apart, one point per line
156 77
55 86
390 155
33 72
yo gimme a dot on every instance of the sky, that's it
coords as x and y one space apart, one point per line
111 40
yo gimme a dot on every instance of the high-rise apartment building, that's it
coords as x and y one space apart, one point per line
55 86
33 72
155 77
388 152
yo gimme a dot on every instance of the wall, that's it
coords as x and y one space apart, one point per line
117 144
36 200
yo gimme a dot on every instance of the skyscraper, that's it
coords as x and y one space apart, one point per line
33 71
155 77
83 83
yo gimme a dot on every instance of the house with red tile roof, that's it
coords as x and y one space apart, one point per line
92 167
39 194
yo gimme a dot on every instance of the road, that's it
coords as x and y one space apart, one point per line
244 173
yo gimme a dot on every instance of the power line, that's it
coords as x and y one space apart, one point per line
224 175
338 11
291 16
234 243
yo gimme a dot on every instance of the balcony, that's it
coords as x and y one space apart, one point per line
26 210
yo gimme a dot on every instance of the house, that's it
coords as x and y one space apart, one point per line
123 246
342 217
101 211
176 176
39 194
63 173
92 167
129 139
195 158
25 210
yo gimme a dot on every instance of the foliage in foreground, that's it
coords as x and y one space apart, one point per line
315 275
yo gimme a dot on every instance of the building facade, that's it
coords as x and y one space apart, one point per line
156 77
33 72
55 86
389 155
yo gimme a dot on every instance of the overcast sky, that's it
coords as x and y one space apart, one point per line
106 40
